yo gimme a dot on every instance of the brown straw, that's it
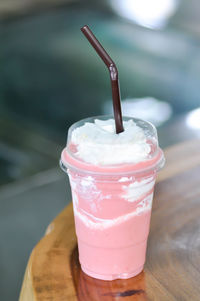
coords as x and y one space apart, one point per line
113 76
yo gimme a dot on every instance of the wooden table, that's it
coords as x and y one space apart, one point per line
172 270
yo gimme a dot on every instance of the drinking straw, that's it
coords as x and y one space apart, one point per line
113 76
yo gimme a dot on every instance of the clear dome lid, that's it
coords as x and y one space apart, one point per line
87 150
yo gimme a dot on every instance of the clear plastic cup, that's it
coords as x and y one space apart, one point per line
112 207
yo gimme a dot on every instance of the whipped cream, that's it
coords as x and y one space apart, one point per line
98 223
138 189
97 143
85 189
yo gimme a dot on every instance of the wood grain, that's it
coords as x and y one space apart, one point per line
172 270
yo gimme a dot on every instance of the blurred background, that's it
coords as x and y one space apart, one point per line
50 77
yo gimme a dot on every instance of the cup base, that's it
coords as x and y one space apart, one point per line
114 276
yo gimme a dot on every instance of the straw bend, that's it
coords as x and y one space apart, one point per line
113 72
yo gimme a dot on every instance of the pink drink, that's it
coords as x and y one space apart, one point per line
112 207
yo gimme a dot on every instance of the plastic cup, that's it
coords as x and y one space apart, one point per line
112 208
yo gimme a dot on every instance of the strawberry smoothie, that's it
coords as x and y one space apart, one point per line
112 178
